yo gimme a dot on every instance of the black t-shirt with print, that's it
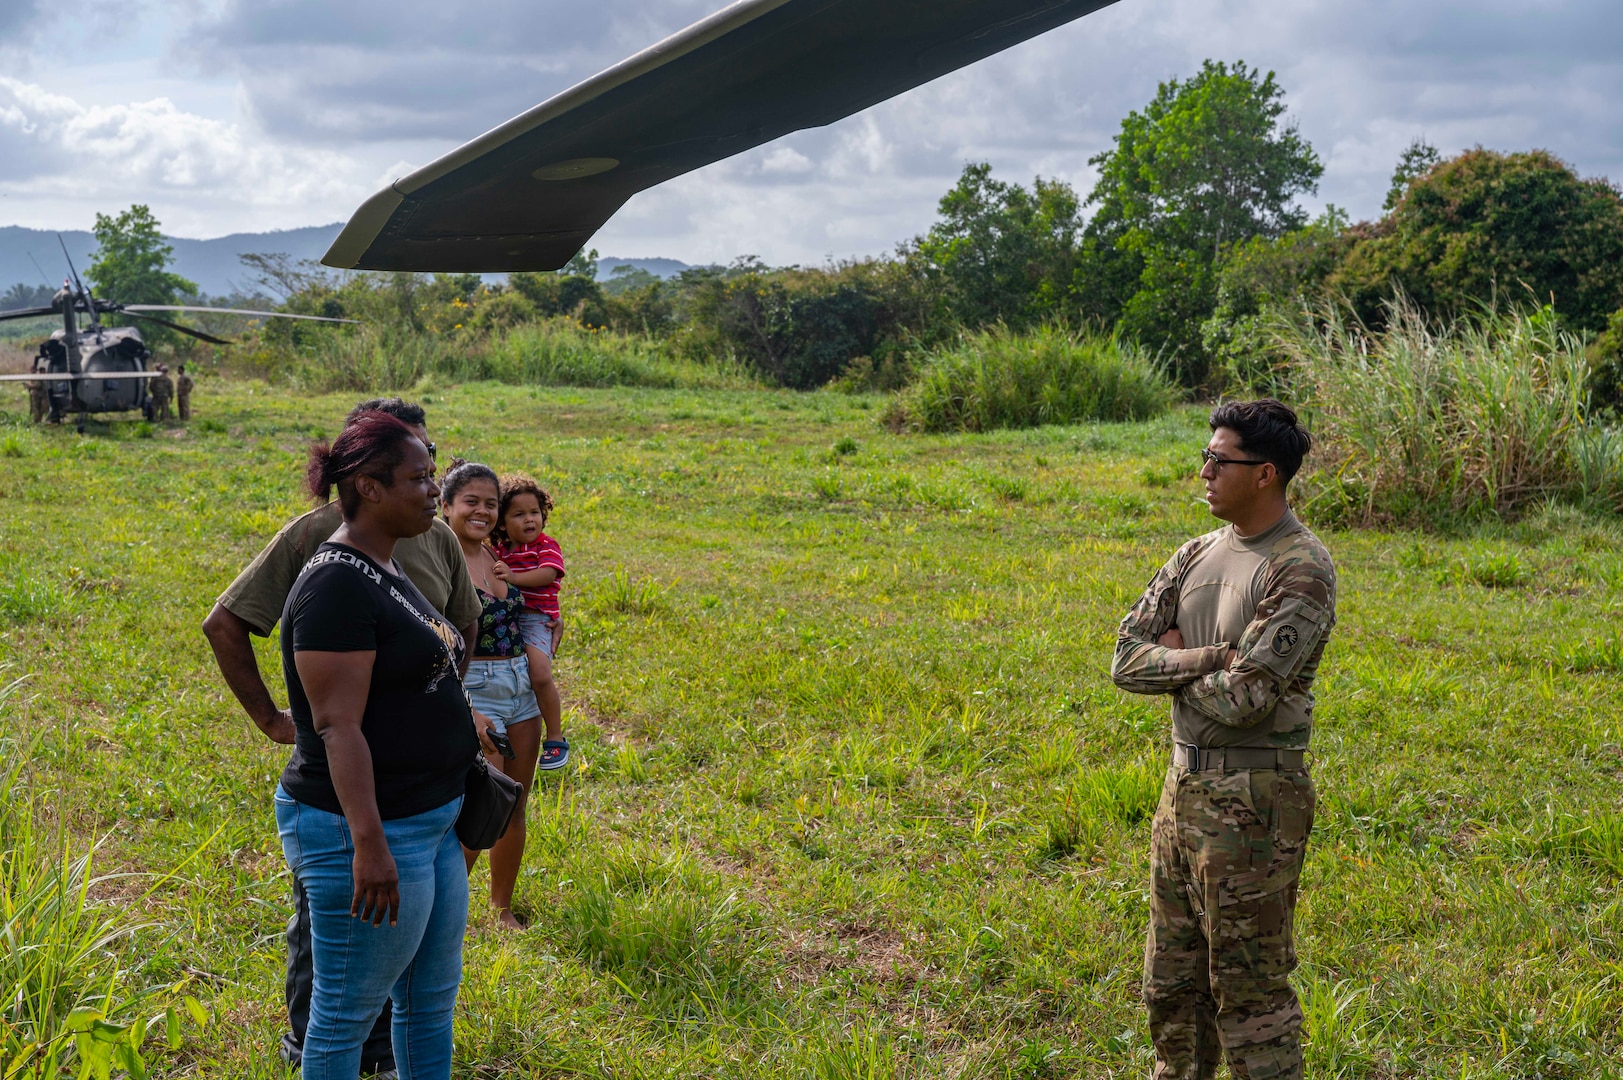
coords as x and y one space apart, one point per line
416 721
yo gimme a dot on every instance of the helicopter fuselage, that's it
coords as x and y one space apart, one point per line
97 350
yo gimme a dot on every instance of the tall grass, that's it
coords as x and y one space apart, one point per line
67 1005
998 379
1486 416
557 352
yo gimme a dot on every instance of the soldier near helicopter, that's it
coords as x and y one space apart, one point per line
38 405
162 390
183 392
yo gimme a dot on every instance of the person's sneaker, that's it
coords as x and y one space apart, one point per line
554 753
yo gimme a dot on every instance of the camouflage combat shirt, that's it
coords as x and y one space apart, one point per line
1272 598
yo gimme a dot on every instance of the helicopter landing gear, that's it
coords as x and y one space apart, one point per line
79 425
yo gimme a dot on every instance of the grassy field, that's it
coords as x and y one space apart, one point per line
852 795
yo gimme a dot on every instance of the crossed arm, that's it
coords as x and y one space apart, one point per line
1233 683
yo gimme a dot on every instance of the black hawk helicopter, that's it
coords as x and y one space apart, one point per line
93 368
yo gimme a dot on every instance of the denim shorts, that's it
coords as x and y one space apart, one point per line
537 634
501 690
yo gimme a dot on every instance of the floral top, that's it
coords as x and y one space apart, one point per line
499 635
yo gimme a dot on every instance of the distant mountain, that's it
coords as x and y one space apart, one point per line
212 263
662 268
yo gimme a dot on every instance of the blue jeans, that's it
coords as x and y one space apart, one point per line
416 963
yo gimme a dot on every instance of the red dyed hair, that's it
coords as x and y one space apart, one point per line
373 443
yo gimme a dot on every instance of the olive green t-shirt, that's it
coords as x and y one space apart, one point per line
433 562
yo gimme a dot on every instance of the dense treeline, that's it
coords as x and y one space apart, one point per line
1191 252
1190 246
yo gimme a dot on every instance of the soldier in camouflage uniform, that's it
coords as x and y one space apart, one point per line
162 390
183 392
1233 628
38 403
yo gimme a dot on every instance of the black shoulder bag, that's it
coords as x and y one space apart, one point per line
490 795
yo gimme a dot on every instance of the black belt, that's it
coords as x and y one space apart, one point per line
1228 758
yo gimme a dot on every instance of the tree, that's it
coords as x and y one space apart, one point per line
1484 227
1209 163
572 291
131 263
1000 252
1414 163
24 295
1260 282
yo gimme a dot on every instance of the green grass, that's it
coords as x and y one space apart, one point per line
851 794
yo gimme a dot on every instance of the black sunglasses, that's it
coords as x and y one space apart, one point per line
433 452
1209 458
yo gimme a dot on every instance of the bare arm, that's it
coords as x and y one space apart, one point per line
229 636
539 578
337 684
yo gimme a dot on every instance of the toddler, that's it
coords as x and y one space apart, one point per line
533 561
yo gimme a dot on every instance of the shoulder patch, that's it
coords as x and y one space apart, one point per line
1285 639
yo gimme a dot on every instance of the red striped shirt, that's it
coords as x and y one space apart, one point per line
541 552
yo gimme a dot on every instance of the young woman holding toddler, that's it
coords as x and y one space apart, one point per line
502 678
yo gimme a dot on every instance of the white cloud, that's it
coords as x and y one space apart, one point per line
786 161
189 168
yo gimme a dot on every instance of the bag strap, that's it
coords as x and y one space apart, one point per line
339 555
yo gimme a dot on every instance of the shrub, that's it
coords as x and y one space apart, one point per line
554 352
1605 356
998 379
1487 415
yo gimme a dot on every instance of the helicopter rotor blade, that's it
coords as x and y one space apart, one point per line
234 311
28 313
210 338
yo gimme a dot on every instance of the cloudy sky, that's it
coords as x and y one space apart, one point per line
248 115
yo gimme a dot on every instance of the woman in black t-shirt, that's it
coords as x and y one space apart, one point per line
382 745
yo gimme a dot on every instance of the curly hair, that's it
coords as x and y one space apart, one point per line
513 484
373 443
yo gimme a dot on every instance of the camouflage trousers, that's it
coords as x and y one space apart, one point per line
1226 853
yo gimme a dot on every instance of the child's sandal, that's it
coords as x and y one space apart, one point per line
554 753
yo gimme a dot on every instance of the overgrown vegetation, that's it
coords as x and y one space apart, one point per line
998 379
555 352
1036 305
1489 415
79 999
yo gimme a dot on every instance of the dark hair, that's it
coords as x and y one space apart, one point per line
518 484
460 475
402 410
373 443
1268 429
